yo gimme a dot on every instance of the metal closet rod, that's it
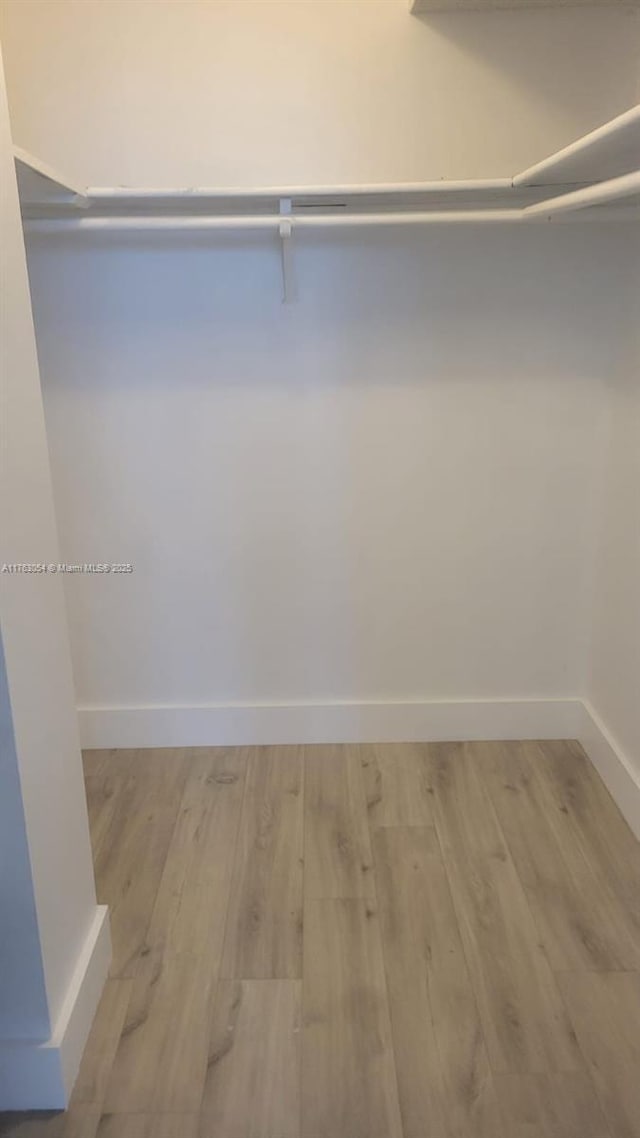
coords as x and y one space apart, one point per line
274 222
614 189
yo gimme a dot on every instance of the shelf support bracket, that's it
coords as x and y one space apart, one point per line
286 231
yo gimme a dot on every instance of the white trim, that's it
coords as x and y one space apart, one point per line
569 208
40 1076
338 722
102 194
613 136
626 186
373 721
123 223
238 724
55 179
612 764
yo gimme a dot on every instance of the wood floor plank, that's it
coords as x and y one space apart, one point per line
130 859
582 923
130 884
444 1080
551 1106
192 899
264 923
102 1044
95 762
148 1126
131 780
396 786
525 1024
77 1123
605 1011
349 1085
161 1060
337 849
253 1073
489 863
594 819
106 774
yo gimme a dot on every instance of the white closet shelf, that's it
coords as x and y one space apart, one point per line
432 7
585 181
479 185
40 184
300 202
607 152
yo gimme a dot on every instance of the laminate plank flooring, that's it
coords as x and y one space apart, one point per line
396 784
161 1061
524 1020
441 1057
75 1123
81 1123
338 861
348 1070
385 941
142 795
551 1106
605 1009
264 921
592 821
253 1069
191 903
581 923
102 1045
147 1126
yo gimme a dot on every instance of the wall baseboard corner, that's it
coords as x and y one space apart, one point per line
40 1076
612 765
339 722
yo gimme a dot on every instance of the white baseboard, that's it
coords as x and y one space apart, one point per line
373 722
612 765
369 722
40 1076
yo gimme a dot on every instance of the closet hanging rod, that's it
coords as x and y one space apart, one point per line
626 186
176 223
328 221
418 217
140 222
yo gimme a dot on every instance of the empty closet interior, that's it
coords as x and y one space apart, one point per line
337 312
404 502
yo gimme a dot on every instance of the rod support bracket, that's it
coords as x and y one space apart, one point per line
286 233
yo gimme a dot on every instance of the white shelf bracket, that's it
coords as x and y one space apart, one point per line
286 231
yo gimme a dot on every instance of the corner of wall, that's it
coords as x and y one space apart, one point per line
40 1076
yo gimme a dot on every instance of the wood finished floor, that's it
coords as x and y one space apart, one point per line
393 941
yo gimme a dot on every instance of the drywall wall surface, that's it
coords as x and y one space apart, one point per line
278 92
382 491
386 490
34 633
614 690
23 999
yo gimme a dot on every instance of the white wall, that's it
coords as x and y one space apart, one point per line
382 492
23 999
41 785
614 685
385 491
250 92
